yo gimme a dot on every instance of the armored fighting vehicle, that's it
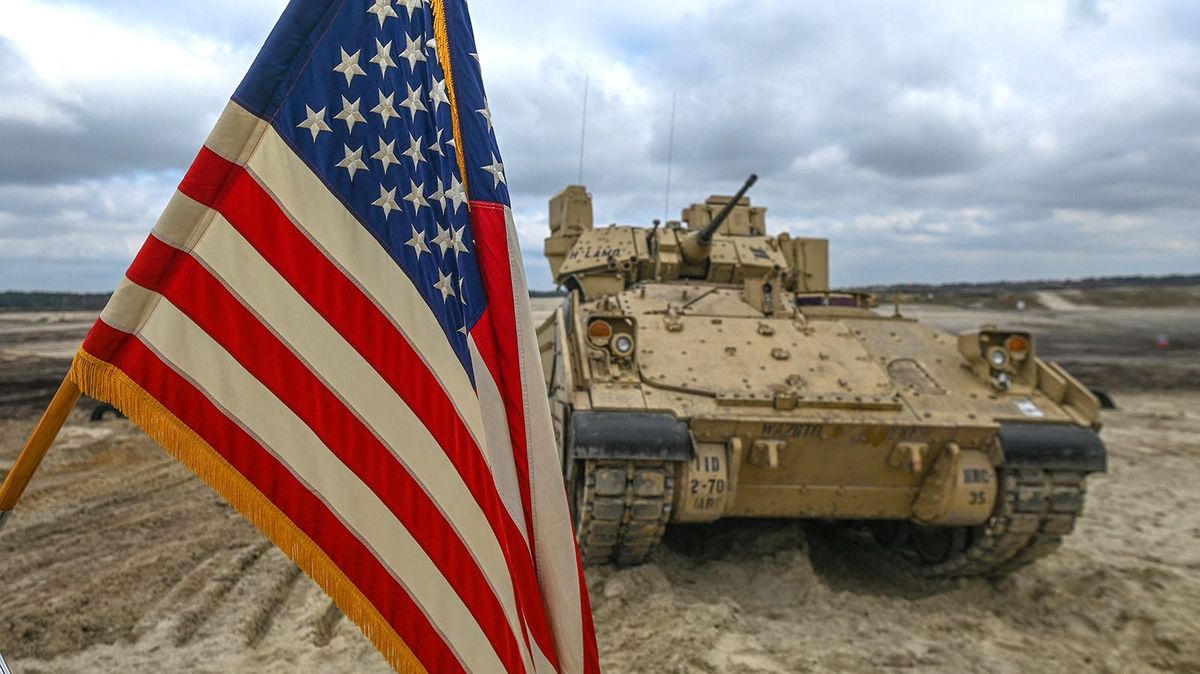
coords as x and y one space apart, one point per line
704 369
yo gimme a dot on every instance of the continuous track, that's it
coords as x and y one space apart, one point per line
623 508
1037 508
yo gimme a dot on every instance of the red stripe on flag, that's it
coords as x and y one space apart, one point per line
496 335
497 338
591 652
231 190
280 486
203 298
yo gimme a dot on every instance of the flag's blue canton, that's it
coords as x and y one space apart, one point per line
485 170
368 110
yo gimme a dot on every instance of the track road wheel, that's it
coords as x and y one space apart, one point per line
1034 510
890 533
934 545
621 508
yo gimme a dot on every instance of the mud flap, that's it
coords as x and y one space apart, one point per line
622 435
1053 447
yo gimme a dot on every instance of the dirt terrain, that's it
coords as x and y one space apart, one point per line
118 559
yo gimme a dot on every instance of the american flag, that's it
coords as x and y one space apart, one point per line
330 324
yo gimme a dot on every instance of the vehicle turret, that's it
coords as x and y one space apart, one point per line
723 240
696 246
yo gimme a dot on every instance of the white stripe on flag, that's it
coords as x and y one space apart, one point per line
328 224
195 355
553 532
499 445
231 258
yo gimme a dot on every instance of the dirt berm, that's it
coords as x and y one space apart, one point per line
119 560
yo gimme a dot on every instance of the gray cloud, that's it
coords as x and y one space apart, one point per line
241 23
918 146
933 143
38 155
930 142
1087 12
58 124
79 235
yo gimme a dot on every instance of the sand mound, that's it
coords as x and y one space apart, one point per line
120 560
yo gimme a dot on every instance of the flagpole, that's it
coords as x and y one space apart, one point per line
35 448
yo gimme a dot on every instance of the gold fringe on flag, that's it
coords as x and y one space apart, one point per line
105 382
442 35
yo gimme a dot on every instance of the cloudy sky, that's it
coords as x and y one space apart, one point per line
930 141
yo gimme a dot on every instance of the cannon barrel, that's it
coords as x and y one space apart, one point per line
706 234
695 247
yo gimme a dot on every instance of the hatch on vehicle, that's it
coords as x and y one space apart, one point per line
762 361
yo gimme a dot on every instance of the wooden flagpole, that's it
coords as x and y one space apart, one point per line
35 448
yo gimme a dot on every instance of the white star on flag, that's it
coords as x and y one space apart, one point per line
486 113
440 195
437 143
411 5
444 284
386 154
413 101
413 52
386 201
456 194
442 240
456 241
385 109
416 197
349 66
382 9
417 242
315 122
353 161
497 171
414 151
437 93
383 57
350 114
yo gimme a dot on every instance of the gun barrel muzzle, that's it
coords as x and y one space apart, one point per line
706 234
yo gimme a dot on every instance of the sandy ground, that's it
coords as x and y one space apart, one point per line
119 560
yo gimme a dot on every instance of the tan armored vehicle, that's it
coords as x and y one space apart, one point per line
706 370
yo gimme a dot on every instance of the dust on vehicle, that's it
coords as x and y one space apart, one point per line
702 368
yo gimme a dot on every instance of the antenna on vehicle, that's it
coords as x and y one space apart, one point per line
583 126
653 239
670 152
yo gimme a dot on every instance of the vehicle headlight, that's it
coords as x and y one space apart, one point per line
599 332
1018 346
998 358
623 345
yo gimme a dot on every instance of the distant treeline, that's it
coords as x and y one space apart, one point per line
41 301
1040 284
44 301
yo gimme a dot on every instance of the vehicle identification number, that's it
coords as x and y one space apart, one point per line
1029 408
781 431
707 487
